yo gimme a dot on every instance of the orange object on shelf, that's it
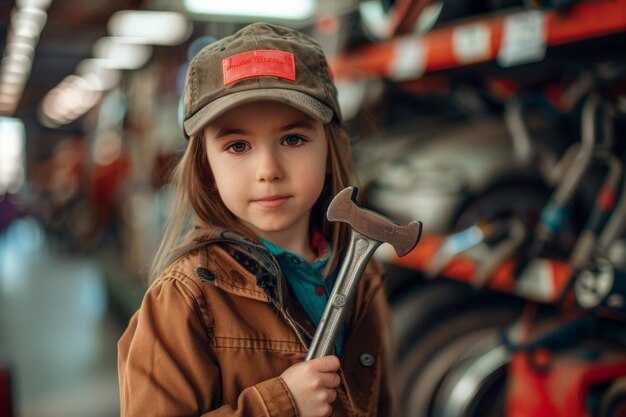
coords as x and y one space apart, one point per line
544 286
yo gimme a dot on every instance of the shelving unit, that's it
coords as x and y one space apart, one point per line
511 38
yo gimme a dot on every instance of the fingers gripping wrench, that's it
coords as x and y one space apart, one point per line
369 231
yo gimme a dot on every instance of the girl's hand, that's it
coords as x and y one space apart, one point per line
313 384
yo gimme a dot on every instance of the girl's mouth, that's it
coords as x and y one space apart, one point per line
272 202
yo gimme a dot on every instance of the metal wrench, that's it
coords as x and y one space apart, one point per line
369 230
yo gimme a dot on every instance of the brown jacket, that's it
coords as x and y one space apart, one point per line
216 330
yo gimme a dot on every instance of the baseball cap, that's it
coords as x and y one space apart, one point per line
259 62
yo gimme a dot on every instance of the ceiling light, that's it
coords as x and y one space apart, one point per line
12 37
28 21
121 54
15 89
16 63
19 48
279 9
12 78
95 69
39 4
12 158
69 100
13 131
148 27
50 104
29 14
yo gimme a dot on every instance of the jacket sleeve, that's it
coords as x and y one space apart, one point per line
166 366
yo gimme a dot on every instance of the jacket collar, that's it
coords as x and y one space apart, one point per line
259 263
251 255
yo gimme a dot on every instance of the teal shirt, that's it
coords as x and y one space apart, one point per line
307 283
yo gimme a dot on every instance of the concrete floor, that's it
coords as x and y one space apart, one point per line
55 331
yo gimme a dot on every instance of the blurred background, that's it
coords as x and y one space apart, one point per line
498 123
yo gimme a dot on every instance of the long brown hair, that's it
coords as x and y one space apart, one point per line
195 199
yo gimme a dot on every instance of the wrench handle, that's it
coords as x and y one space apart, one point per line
360 250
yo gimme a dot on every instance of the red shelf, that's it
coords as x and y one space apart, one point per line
463 269
435 50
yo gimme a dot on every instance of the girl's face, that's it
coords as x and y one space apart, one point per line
268 160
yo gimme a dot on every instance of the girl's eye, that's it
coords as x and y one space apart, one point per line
293 140
237 147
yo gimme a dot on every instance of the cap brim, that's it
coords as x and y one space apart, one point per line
300 101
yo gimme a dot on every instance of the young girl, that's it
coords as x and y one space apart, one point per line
224 328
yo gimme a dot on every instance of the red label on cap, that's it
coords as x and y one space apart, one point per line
259 63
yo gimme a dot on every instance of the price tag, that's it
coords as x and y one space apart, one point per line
536 281
409 59
523 39
472 43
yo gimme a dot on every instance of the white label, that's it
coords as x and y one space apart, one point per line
536 281
471 43
409 59
523 39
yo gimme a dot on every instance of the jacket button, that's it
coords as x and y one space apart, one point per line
204 274
367 359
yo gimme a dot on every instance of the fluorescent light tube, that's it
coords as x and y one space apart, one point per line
279 9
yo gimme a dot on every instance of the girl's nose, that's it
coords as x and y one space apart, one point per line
269 169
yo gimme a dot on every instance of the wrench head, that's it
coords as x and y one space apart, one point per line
344 208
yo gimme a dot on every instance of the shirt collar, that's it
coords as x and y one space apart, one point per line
319 244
